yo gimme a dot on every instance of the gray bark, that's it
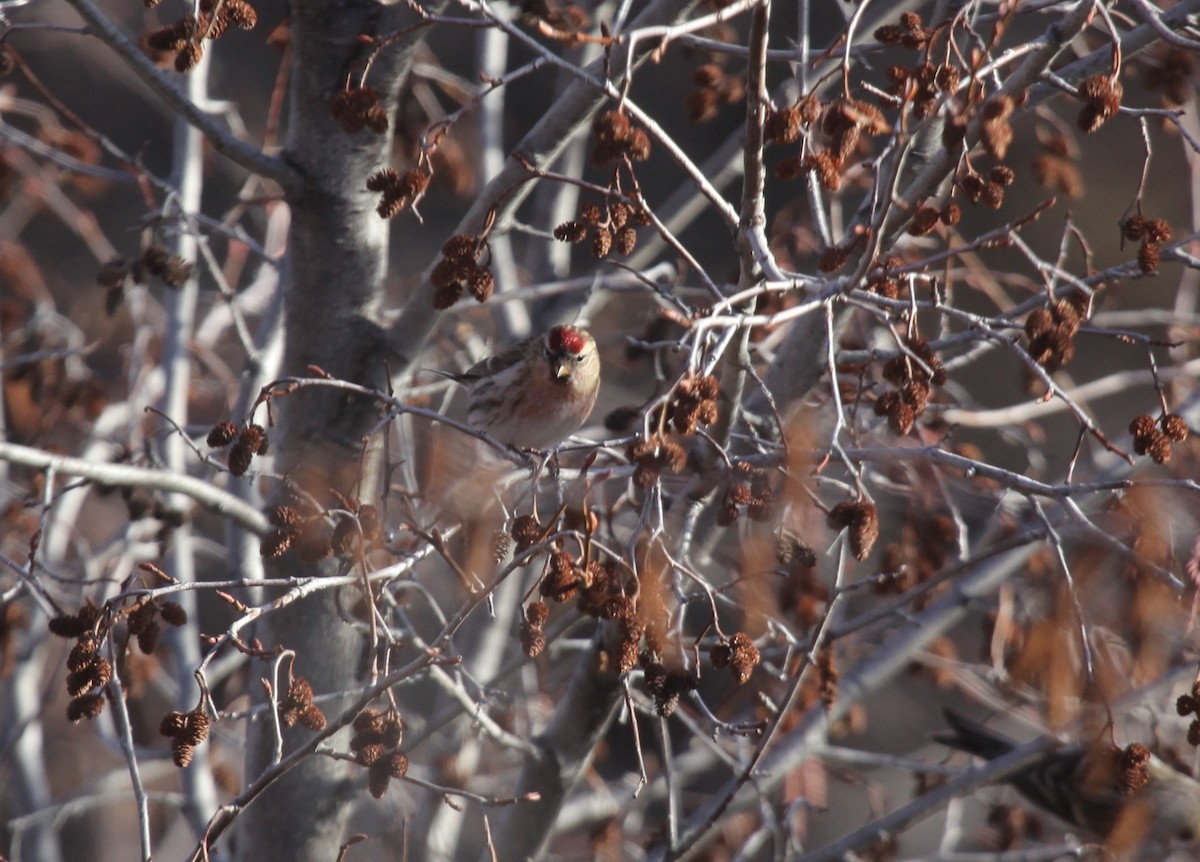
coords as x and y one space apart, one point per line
336 263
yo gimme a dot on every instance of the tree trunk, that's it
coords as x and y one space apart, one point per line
336 263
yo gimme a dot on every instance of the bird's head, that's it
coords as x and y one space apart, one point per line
569 351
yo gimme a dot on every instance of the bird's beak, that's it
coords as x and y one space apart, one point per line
561 370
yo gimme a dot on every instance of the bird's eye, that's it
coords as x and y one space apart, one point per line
579 357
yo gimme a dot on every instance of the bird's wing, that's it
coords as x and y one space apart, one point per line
973 737
493 364
449 375
1077 783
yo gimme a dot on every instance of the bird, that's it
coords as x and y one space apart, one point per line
1127 796
536 394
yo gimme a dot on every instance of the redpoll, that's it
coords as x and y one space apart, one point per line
537 393
1128 796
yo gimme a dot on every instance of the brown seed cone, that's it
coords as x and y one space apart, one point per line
1175 427
832 259
791 167
783 126
1149 256
239 459
392 729
1157 230
1185 704
276 543
378 778
87 706
446 295
181 753
537 613
744 656
312 717
82 680
602 242
173 724
82 654
901 418
241 14
196 727
370 753
654 677
533 640
1134 227
1134 761
627 654
370 720
397 764
1158 447
1039 322
141 617
382 180
413 183
617 608
924 220
666 705
864 531
345 534
252 437
1142 426
525 531
863 523
173 614
188 57
761 509
299 693
67 626
625 240
482 284
889 34
951 214
570 231
147 638
222 434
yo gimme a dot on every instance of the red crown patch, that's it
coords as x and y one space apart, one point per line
566 338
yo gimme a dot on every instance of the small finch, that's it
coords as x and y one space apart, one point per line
537 393
1129 797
